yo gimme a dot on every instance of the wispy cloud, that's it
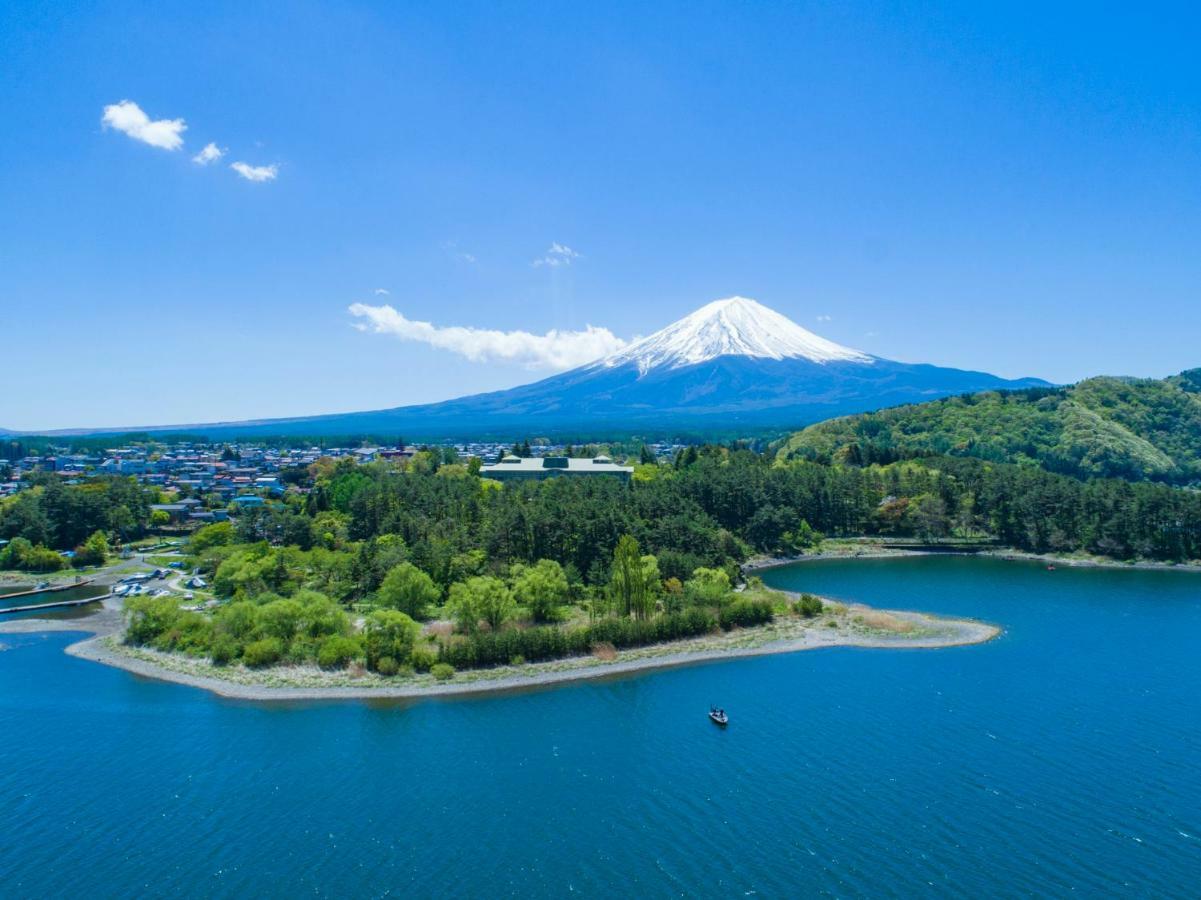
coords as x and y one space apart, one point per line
452 247
382 292
128 118
557 255
825 318
210 154
255 173
555 350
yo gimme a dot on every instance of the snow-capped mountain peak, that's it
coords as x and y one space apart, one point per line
735 326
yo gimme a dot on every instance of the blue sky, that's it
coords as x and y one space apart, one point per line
1013 189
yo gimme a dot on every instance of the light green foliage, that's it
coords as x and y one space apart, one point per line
482 598
442 671
21 554
239 620
337 650
422 657
320 616
388 633
1108 427
465 565
707 587
542 588
280 619
803 537
158 621
260 653
408 589
92 552
219 534
633 580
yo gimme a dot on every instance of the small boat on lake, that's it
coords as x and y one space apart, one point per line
719 716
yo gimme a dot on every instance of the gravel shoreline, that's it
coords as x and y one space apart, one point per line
929 632
872 552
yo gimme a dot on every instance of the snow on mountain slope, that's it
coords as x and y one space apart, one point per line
732 364
735 326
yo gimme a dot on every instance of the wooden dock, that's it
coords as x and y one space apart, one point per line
47 590
57 604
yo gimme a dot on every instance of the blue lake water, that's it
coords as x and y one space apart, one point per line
1064 756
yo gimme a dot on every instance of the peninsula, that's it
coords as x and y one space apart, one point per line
836 625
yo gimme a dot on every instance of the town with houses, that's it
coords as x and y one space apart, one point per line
209 481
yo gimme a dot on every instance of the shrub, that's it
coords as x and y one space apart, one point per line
809 606
225 650
21 554
386 665
742 613
336 651
388 633
262 653
149 618
423 658
92 552
536 644
442 671
707 587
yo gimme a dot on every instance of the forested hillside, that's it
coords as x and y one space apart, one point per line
1134 429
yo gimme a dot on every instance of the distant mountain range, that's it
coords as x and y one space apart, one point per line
1136 429
733 364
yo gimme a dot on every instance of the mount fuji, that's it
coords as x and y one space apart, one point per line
732 364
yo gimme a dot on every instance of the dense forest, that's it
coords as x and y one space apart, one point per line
51 516
714 507
1136 429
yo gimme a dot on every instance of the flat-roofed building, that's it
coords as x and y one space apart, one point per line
514 468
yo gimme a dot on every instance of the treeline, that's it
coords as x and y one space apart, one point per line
726 505
53 516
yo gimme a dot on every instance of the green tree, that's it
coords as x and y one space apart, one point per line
628 579
280 619
483 597
219 534
409 590
541 588
92 552
388 633
707 587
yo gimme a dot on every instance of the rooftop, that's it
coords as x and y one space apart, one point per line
517 465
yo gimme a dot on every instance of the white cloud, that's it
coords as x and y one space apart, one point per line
824 318
452 247
210 154
556 350
557 255
128 118
255 173
382 292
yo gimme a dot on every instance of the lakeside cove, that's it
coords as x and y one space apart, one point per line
839 625
876 548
